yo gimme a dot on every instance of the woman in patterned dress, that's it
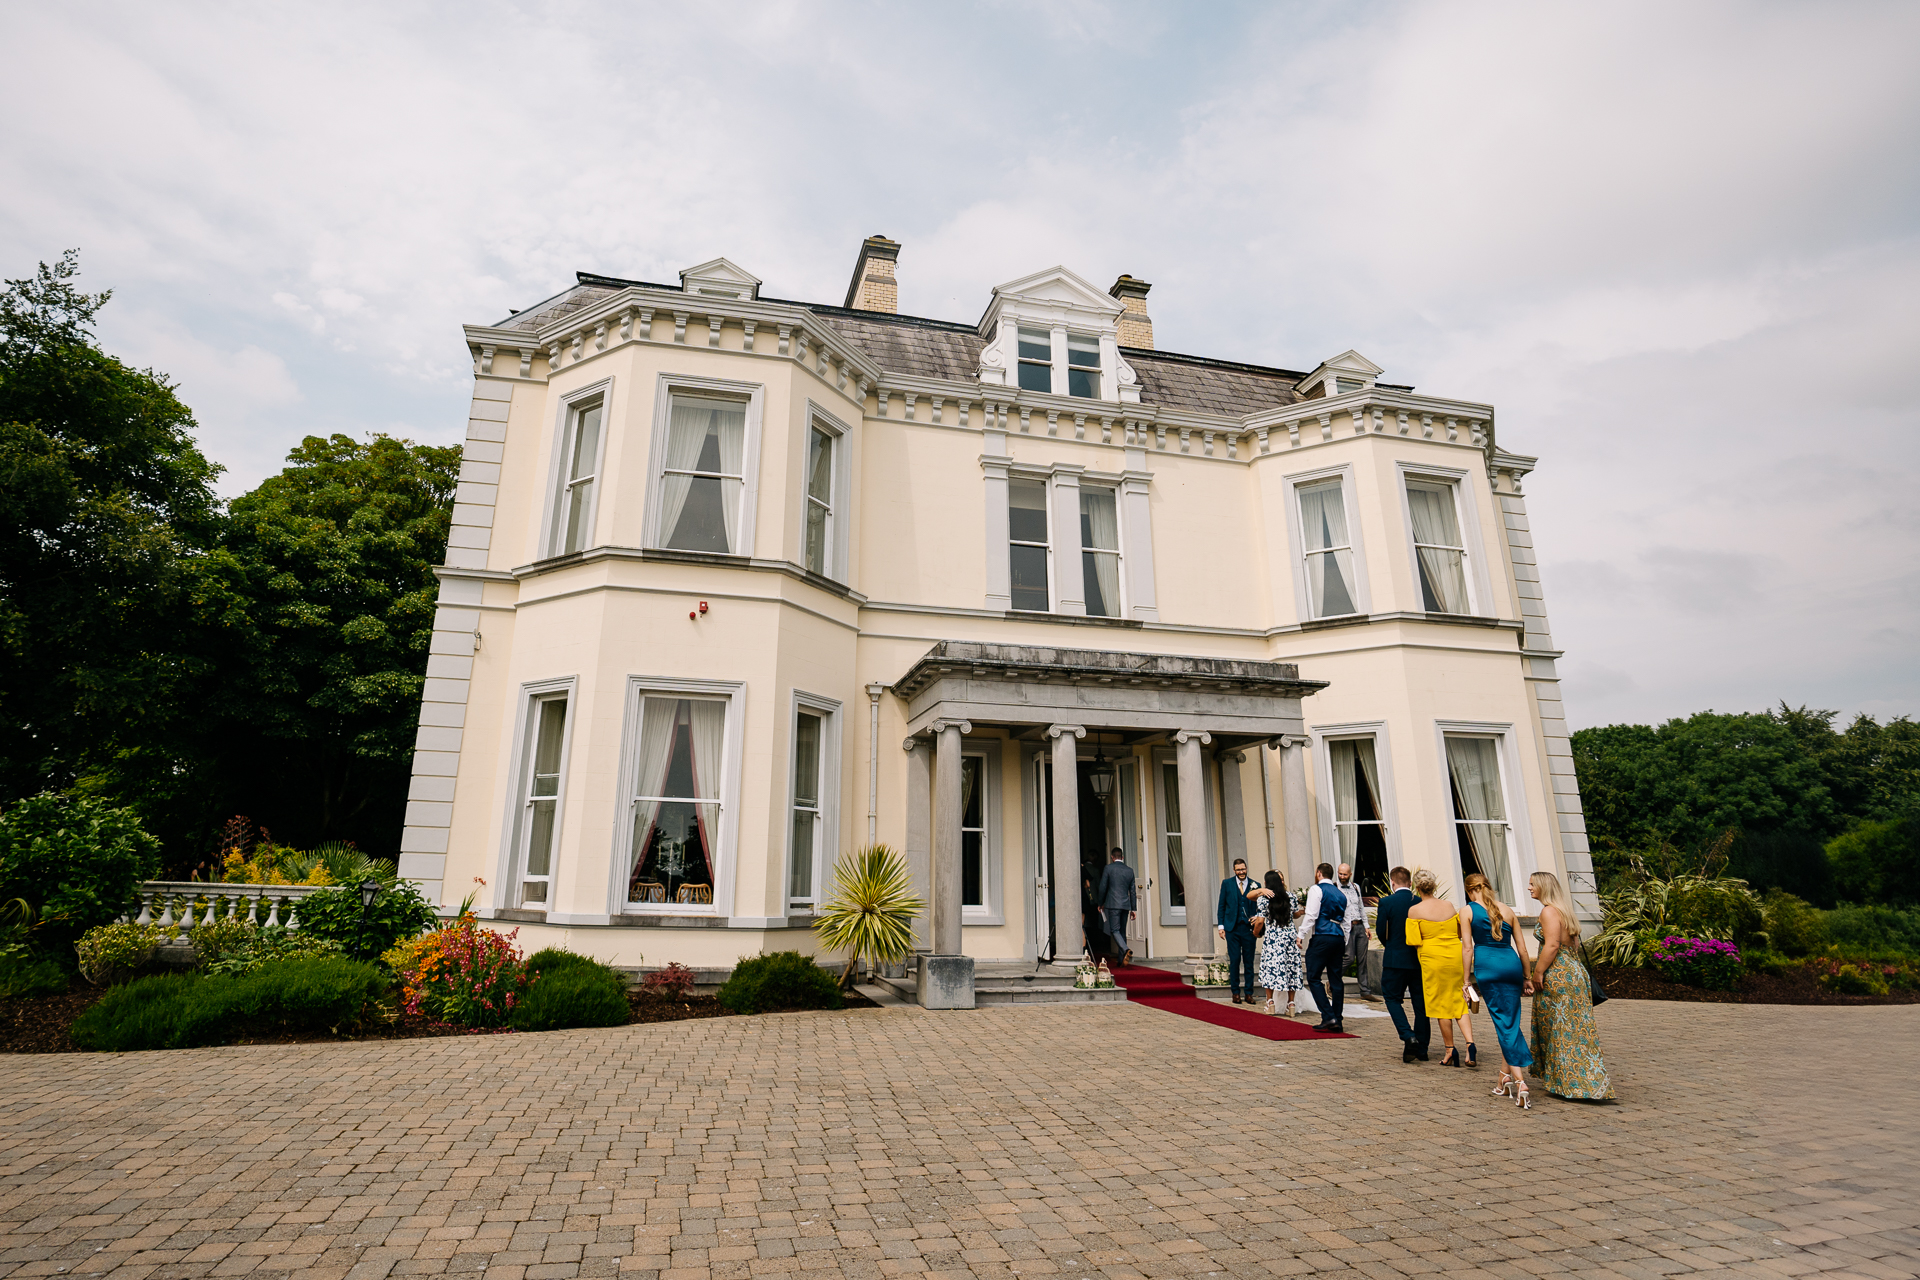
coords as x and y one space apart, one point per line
1280 968
1566 1051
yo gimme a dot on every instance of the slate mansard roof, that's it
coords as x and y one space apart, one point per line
922 347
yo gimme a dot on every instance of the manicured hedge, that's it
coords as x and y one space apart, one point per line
783 980
184 1011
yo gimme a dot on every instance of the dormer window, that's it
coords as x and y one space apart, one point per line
1350 384
1083 366
1036 360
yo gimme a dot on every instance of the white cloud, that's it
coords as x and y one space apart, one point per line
1675 246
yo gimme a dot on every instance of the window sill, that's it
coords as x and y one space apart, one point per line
521 915
728 560
1073 619
664 920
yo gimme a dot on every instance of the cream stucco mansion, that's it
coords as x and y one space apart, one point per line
736 584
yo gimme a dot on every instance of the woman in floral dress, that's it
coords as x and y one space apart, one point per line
1566 1050
1280 968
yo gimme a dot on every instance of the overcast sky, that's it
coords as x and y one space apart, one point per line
1676 246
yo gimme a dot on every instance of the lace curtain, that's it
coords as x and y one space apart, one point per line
1323 519
1474 764
1442 567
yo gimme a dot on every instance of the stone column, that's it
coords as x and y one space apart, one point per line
946 835
1293 805
919 846
1069 938
946 976
1196 855
1233 811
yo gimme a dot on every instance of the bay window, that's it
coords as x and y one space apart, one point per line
680 765
1083 366
1328 549
1359 813
704 478
540 815
819 527
578 471
1439 553
808 826
1479 811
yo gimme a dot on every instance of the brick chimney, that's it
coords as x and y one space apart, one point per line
873 287
1136 330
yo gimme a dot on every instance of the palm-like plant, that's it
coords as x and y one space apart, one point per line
872 910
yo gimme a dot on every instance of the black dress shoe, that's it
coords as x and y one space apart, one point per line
1326 1026
1406 1052
1422 1056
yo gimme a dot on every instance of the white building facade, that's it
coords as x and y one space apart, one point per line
737 584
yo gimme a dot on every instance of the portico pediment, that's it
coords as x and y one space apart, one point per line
1055 292
1147 694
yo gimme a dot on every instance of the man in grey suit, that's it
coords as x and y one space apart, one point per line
1117 902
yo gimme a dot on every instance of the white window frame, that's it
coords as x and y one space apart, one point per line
842 470
1466 514
1007 542
1161 757
827 817
513 827
638 688
1119 551
1387 800
549 538
1522 856
1302 593
1099 368
755 395
1053 372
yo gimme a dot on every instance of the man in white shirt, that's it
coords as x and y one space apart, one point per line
1323 937
1356 927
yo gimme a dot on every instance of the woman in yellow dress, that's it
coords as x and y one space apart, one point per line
1445 939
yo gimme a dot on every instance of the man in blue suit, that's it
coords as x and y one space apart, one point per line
1400 967
1234 919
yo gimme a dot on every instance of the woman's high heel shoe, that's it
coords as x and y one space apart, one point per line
1269 1004
1293 1010
1452 1059
1473 1056
1505 1086
1523 1099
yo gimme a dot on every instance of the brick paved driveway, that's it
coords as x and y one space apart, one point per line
1070 1142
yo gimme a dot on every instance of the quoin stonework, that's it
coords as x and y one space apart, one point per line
737 584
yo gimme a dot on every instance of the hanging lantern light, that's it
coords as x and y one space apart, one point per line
1100 774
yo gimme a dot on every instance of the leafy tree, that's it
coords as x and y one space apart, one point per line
314 708
104 502
75 861
1878 863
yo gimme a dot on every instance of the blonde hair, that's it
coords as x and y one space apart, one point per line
1547 887
1481 891
1425 883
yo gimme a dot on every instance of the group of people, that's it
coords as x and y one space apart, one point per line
1446 958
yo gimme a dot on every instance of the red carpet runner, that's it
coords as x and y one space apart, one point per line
1163 989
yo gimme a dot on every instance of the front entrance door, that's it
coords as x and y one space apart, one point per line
1104 826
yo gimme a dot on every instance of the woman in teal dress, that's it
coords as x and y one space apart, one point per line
1499 975
1566 1050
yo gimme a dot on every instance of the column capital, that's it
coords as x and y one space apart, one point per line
1285 740
1056 730
913 744
1235 756
941 726
1193 735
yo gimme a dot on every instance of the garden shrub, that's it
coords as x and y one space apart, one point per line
570 990
1697 962
675 982
181 1011
1692 906
1854 980
1768 962
116 952
24 976
1793 926
466 975
400 912
75 860
214 942
783 980
263 947
1874 928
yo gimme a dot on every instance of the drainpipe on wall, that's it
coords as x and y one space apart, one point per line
873 764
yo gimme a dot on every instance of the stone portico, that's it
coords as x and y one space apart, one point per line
1208 709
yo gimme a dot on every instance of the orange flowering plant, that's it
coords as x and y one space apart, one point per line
461 973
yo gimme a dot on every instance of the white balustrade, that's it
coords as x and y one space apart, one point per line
178 903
